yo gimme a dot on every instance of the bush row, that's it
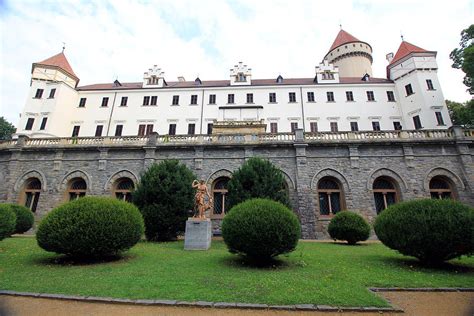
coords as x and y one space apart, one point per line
14 219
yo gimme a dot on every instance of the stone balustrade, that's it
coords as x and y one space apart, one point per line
226 139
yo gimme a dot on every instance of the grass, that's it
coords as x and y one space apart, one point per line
316 273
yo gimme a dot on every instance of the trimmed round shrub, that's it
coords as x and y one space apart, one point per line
431 230
91 227
165 196
261 229
349 226
7 221
24 218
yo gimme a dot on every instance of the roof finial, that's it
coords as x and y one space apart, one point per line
64 47
401 35
340 24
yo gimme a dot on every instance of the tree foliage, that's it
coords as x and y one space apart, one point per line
164 196
257 178
461 114
463 57
6 129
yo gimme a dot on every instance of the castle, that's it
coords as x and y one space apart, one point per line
343 138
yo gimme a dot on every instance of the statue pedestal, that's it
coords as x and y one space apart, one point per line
198 234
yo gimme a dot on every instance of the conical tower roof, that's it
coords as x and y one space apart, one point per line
60 61
406 49
343 38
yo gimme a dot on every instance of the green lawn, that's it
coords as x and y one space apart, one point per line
316 273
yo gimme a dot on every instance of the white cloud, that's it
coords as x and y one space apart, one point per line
124 38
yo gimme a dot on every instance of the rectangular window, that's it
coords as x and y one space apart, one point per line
105 101
194 99
98 130
82 102
175 100
310 96
273 128
376 126
209 128
370 96
29 124
230 98
349 96
149 129
397 126
354 126
141 129
429 84
409 89
191 128
334 127
154 100
172 129
146 101
118 130
294 126
43 123
124 101
212 99
313 126
390 96
39 93
75 131
292 97
52 93
417 122
249 97
272 97
330 96
439 118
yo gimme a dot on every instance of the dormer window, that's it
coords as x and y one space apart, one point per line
279 79
241 77
153 80
328 75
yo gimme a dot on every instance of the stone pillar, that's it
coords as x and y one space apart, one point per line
354 156
103 158
465 159
304 204
198 157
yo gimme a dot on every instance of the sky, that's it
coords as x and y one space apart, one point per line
121 39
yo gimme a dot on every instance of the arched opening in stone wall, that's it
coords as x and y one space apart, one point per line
76 188
385 193
31 193
122 189
219 195
442 188
330 196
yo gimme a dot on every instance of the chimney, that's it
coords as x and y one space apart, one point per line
389 57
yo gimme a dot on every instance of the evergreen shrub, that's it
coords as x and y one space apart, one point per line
91 227
431 230
257 178
349 226
164 196
7 221
261 229
24 218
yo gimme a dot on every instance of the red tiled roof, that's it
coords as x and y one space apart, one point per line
406 49
226 83
343 38
60 61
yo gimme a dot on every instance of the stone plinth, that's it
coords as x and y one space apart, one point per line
198 234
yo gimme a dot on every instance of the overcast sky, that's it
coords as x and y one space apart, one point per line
122 39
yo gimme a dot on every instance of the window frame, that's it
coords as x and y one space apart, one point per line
272 97
30 122
230 98
310 96
43 123
370 96
52 92
175 100
172 129
330 96
124 101
99 130
328 193
212 99
354 126
349 96
191 128
82 103
291 97
384 192
105 102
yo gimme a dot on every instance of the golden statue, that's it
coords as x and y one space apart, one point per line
200 204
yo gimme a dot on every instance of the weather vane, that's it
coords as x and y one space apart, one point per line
64 46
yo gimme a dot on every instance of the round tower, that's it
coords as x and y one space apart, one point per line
352 56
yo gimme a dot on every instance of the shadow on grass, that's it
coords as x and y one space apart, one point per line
344 243
412 263
63 260
238 261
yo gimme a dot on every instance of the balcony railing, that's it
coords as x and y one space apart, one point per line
228 139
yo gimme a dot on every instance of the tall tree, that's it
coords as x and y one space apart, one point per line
461 114
6 129
463 57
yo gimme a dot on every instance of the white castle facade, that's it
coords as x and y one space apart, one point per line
340 95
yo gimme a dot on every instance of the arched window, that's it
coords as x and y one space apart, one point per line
219 195
77 188
441 188
123 189
32 193
385 193
330 196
